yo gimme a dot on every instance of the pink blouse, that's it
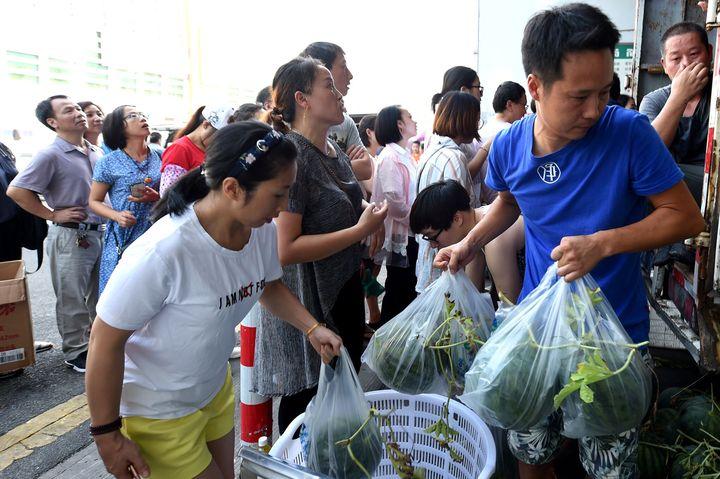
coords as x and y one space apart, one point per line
394 182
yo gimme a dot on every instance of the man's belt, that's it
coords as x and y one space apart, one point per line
83 226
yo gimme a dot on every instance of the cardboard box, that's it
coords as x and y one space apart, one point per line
17 349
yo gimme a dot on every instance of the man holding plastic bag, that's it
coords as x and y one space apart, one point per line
581 173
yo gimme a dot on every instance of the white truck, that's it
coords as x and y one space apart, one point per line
686 297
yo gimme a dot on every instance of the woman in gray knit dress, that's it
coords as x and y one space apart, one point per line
318 238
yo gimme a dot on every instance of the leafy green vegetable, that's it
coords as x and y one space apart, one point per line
697 461
592 370
617 395
518 395
562 347
415 357
400 360
431 345
354 447
456 341
444 434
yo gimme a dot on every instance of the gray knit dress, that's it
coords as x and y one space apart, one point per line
329 198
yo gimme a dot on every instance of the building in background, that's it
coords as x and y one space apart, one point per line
145 53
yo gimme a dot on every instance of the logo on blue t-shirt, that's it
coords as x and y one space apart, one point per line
549 172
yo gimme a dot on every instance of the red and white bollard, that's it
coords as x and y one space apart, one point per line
255 410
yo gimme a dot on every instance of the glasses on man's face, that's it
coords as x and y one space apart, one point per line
433 238
480 89
136 116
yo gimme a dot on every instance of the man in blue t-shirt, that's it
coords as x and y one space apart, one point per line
581 174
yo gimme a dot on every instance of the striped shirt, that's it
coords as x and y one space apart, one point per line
443 160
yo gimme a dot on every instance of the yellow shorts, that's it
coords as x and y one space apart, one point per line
177 448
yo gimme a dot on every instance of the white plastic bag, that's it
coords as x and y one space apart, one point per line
609 386
426 346
513 380
517 378
337 413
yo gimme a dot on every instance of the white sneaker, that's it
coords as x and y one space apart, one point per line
235 353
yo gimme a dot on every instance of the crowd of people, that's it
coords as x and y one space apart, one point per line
288 202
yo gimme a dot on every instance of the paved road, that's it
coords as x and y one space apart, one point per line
41 387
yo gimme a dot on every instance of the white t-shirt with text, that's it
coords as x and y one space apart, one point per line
183 295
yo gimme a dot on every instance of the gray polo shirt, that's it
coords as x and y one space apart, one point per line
688 146
62 173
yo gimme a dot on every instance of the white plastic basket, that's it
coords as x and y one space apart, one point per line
411 416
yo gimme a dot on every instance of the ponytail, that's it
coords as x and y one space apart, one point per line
435 100
188 189
275 119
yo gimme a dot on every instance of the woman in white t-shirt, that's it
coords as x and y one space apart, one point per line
158 382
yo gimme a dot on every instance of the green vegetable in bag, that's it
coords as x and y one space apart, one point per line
431 344
392 363
345 458
561 347
343 437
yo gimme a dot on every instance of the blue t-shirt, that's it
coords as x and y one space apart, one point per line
596 183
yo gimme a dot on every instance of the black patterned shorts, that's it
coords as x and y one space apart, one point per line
603 457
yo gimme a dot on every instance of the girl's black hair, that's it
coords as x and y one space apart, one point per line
454 79
170 138
113 130
246 111
436 205
221 159
386 125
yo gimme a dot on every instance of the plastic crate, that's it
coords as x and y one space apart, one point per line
411 416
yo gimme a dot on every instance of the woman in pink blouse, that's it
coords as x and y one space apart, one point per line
394 182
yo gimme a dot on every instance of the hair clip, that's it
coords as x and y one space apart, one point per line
260 145
261 148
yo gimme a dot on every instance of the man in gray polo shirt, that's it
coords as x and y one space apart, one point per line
62 174
680 111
